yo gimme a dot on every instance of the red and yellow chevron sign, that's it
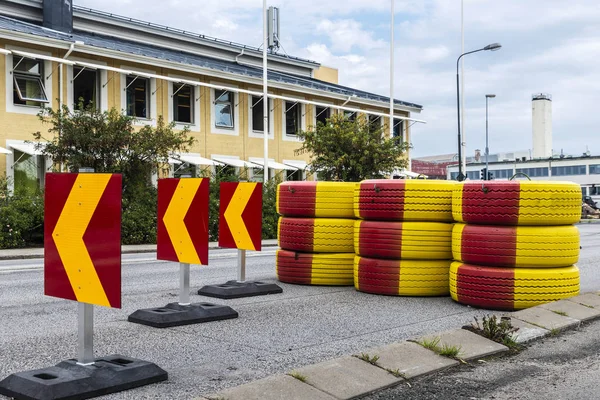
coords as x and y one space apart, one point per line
240 215
82 238
183 220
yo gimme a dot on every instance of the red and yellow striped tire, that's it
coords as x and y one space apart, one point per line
403 240
511 288
316 199
315 269
404 200
517 203
316 235
401 277
516 246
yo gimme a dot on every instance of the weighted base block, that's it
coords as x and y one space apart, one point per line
69 380
236 290
174 314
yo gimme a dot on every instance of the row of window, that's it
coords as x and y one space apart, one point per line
536 172
28 75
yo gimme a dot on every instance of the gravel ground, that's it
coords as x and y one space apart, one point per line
273 334
564 367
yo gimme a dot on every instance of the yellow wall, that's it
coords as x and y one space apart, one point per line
326 74
20 127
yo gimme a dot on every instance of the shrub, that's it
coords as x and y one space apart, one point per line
21 217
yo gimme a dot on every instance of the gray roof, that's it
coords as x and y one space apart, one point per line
162 53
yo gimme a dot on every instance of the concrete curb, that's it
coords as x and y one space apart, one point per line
38 252
382 367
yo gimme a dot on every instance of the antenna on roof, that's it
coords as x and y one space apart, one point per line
273 29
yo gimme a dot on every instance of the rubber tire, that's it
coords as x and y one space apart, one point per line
511 288
404 200
333 269
403 240
520 247
316 235
401 277
517 203
316 199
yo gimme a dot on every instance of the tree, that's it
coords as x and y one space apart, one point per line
351 151
109 142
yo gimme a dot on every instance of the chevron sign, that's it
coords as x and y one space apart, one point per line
82 238
183 220
240 215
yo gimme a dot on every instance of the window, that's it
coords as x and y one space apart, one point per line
28 78
569 170
453 176
185 170
534 172
293 115
474 175
374 123
28 171
502 173
86 87
258 120
350 115
224 109
138 96
297 175
183 103
595 169
322 114
398 129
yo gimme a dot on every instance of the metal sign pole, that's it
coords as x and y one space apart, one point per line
184 284
241 265
85 322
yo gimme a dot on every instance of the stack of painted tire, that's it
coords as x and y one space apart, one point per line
514 244
315 233
403 243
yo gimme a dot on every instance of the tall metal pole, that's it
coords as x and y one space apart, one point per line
85 353
184 284
460 165
487 148
392 73
265 93
463 144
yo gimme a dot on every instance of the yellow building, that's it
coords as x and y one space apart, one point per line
54 54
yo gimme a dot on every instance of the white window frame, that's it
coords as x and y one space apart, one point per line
236 114
10 161
48 71
259 134
195 126
103 84
314 120
292 138
151 96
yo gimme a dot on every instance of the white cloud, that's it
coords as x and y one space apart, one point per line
347 34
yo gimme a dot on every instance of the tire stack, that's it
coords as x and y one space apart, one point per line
315 233
514 244
403 240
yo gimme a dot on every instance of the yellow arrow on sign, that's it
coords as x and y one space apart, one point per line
68 237
233 215
174 220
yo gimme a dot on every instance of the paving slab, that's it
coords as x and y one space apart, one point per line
471 345
410 359
347 377
573 309
588 299
275 387
527 332
545 318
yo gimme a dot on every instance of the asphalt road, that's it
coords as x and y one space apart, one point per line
273 334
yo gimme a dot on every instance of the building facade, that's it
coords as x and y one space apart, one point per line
54 54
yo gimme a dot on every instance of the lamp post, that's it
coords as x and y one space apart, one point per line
487 148
461 166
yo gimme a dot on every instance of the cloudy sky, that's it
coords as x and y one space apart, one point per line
549 46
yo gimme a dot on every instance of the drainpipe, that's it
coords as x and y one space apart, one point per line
60 87
238 56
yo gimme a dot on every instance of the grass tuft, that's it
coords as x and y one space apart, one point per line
298 375
500 330
368 358
564 314
445 350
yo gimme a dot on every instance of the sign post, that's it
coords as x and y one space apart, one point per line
82 262
183 237
240 227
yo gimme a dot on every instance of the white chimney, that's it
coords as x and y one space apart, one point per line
541 105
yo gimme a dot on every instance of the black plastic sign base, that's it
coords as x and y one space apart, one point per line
174 314
71 381
236 290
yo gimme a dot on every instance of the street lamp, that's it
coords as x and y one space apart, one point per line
487 148
492 47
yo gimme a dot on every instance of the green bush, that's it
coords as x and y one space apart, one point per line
21 217
139 216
